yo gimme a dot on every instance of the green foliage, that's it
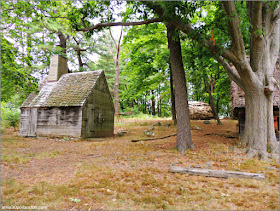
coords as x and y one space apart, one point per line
75 200
10 114
144 65
15 78
202 70
146 56
105 49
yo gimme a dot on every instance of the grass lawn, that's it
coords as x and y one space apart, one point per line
117 174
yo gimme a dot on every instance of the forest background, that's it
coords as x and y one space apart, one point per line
34 31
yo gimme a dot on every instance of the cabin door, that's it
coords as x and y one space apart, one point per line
90 121
32 122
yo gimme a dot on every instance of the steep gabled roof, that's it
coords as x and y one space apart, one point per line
71 89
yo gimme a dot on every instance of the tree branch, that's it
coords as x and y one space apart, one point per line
7 26
77 48
234 29
254 10
120 38
215 173
154 6
152 139
187 29
230 71
102 25
54 17
276 15
113 38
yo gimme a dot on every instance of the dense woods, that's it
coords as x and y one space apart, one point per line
165 54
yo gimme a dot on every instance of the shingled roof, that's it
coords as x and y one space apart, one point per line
238 95
71 89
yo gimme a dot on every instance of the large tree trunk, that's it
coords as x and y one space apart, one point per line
184 138
259 134
259 131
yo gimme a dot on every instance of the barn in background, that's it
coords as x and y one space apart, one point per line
238 103
69 104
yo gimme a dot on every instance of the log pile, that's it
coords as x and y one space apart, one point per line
200 110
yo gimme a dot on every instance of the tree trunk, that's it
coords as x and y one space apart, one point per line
212 101
158 104
144 104
173 110
259 125
184 138
81 64
116 89
153 105
117 73
259 134
63 42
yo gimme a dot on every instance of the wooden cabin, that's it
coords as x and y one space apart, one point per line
238 103
74 105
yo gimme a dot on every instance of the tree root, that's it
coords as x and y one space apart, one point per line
252 153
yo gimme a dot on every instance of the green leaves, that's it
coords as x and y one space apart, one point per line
14 77
202 70
146 56
75 200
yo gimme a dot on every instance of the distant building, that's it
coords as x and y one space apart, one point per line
238 103
69 104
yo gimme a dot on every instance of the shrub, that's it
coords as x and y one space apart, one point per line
10 115
13 118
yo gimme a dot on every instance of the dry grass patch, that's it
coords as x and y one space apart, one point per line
114 173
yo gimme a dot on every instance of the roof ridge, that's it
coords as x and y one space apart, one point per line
100 71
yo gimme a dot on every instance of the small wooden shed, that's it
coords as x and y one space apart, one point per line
238 103
77 105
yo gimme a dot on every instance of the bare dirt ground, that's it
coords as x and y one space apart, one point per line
115 173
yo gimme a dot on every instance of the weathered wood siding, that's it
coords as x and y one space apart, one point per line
100 108
23 124
28 122
59 121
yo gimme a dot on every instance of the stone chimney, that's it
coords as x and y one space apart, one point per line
58 67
